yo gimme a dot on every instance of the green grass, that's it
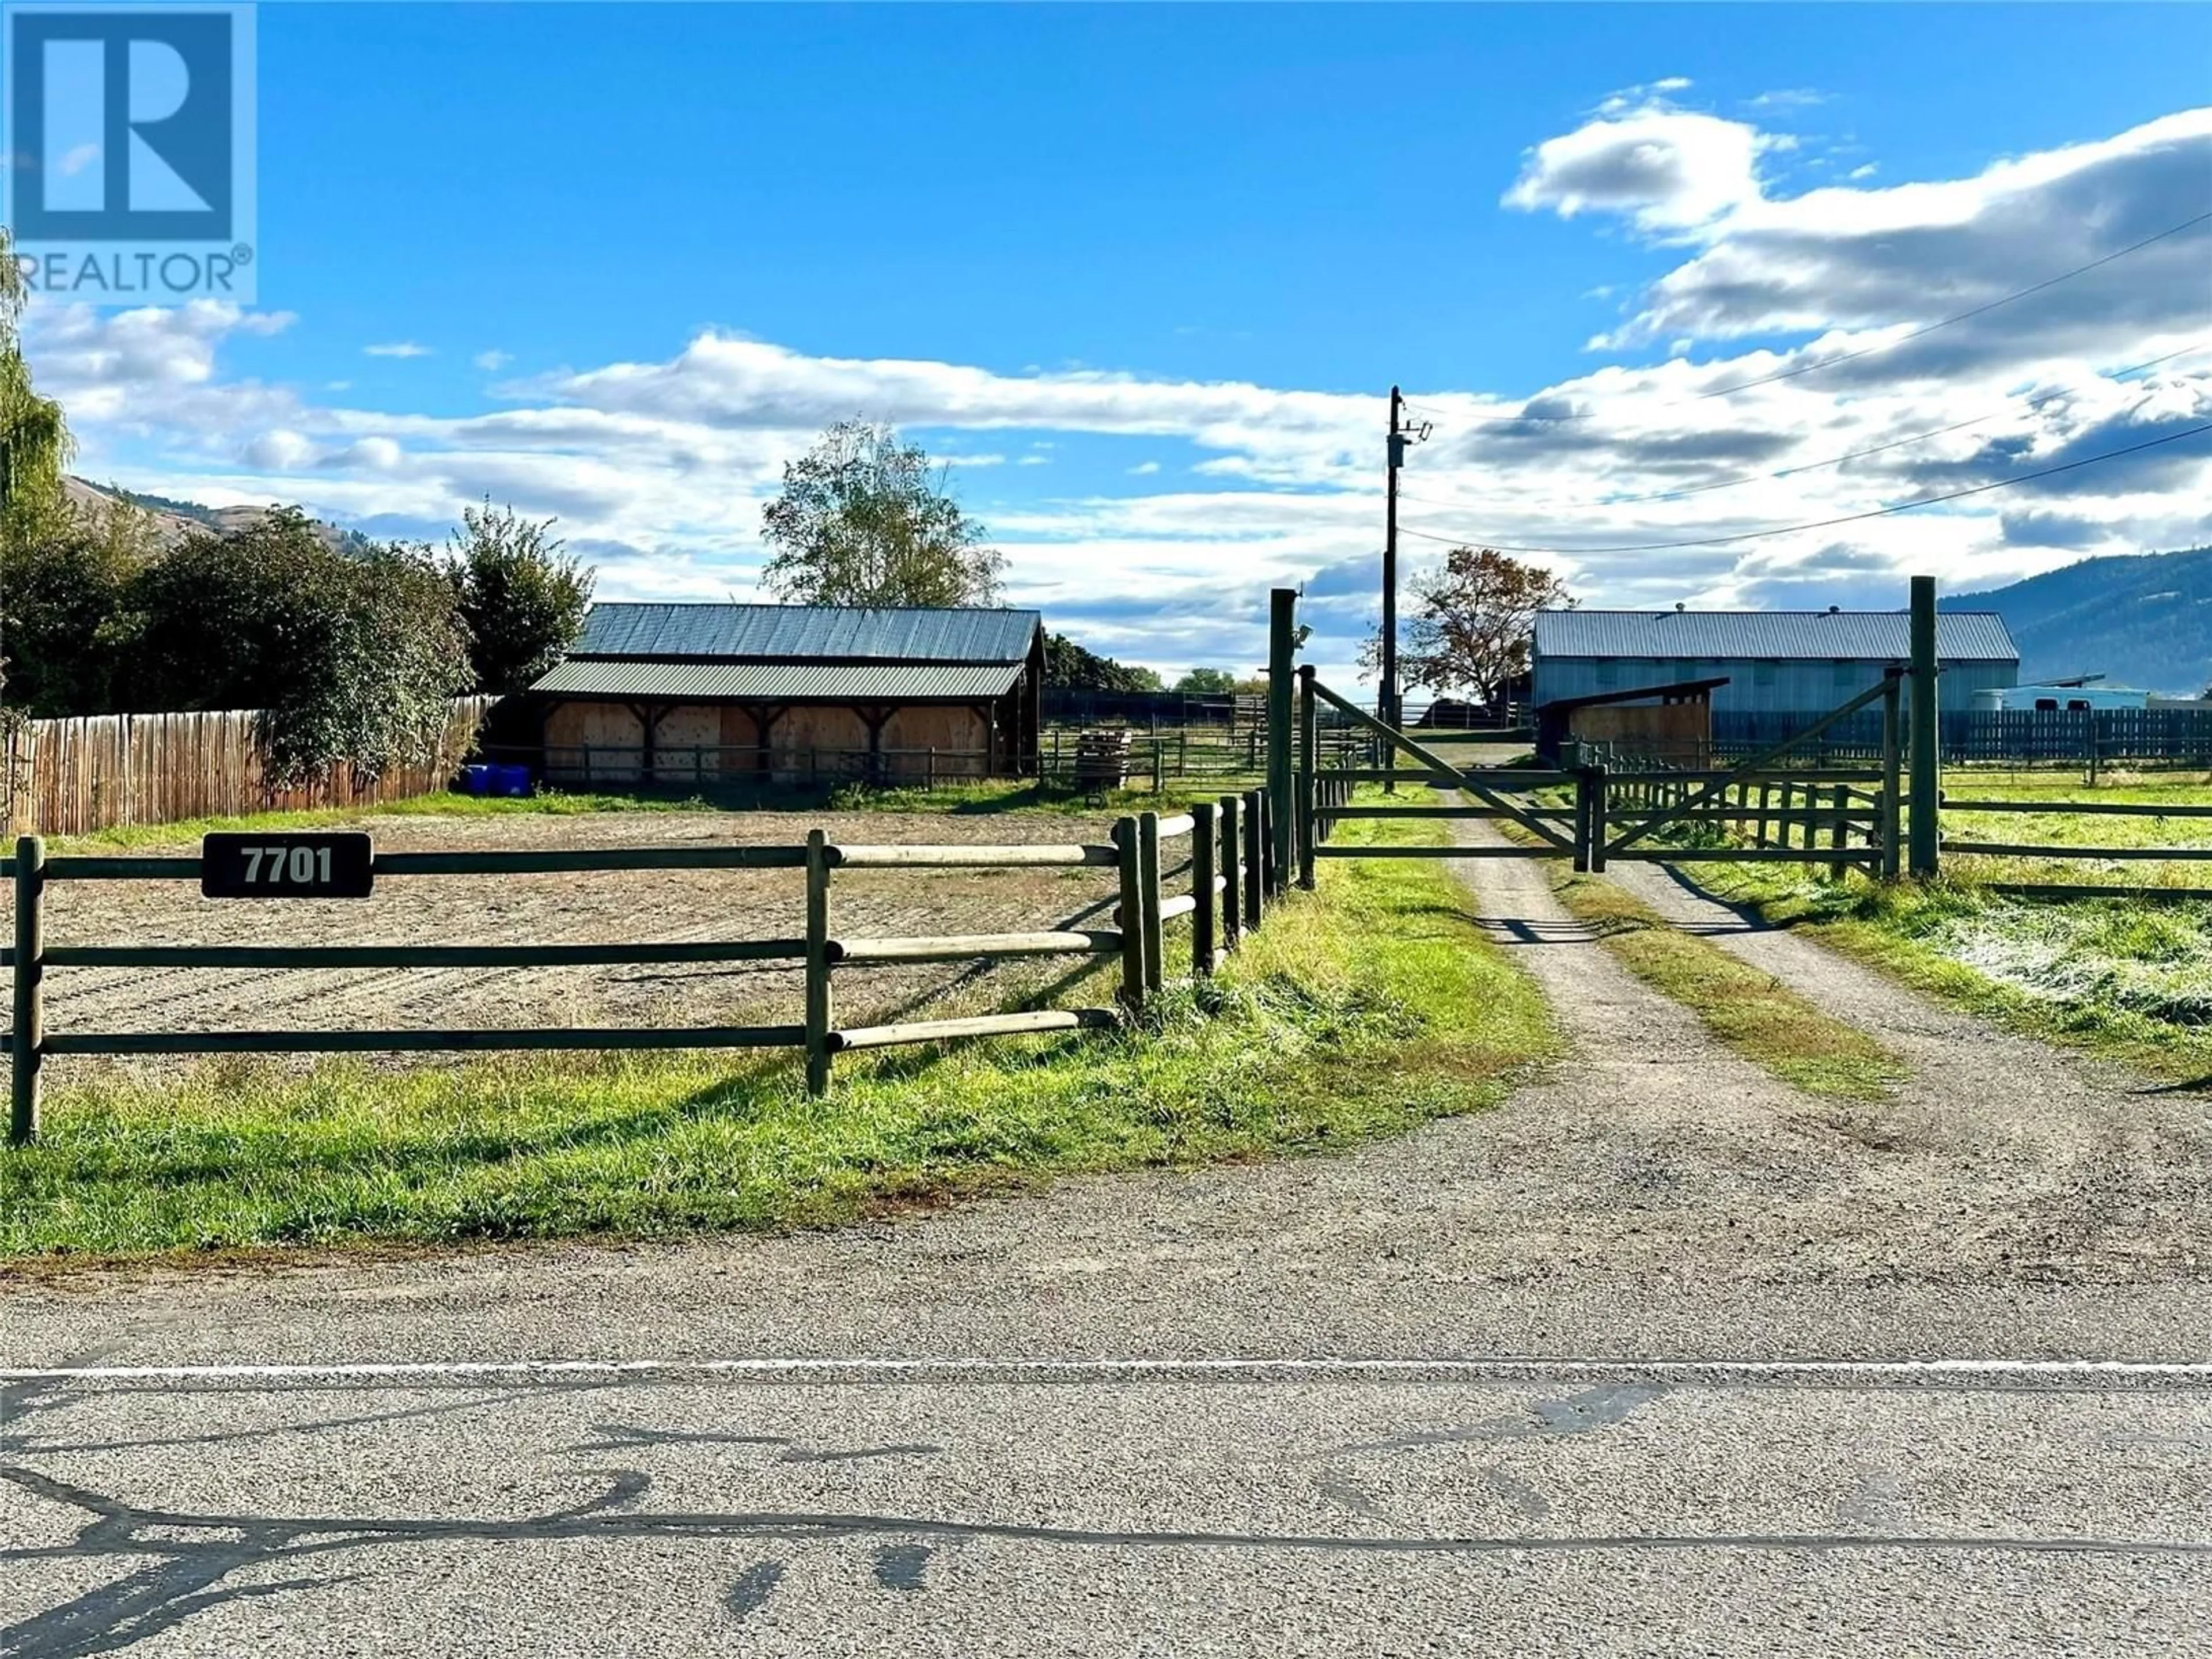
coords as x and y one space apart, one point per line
2130 980
1358 1011
1752 1013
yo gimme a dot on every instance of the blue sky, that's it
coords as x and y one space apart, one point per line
1144 273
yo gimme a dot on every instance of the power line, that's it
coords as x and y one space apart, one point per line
1865 351
1858 454
1820 524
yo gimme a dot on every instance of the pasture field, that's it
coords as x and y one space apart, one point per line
2129 977
1359 1011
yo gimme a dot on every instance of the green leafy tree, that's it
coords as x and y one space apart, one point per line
352 659
863 520
1069 668
384 660
522 598
1473 623
64 610
1207 681
35 443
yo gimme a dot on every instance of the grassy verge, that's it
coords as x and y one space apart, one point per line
1359 1011
2130 980
1752 1012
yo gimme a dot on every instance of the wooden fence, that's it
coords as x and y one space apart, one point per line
1234 878
70 777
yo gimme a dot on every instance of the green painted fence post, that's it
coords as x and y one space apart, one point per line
28 1035
1132 915
1925 835
1232 871
1597 818
1282 646
818 962
1148 876
1892 815
1255 858
1305 777
1204 842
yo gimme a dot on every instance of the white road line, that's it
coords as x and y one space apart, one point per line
830 1370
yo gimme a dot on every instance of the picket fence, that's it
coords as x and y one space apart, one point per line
70 777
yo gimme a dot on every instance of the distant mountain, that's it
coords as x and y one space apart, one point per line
174 520
2144 620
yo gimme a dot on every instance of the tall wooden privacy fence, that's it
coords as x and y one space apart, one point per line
70 777
1234 877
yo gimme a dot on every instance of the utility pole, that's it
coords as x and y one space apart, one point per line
1386 699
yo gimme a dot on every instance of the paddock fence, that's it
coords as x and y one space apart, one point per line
1232 881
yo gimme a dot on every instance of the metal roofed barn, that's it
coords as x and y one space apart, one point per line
1792 662
692 694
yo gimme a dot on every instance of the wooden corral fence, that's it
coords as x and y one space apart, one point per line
1234 878
71 777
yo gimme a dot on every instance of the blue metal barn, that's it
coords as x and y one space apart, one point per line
1793 662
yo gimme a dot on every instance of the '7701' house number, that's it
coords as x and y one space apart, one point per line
330 864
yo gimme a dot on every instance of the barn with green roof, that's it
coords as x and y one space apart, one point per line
700 693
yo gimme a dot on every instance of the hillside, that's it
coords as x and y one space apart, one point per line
2143 621
174 520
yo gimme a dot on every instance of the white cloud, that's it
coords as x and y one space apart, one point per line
492 362
1669 169
397 348
658 468
74 161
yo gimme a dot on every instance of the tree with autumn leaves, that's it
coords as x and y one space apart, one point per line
1472 623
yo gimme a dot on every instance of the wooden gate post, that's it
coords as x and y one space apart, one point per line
1148 878
1132 915
1282 646
818 962
1204 842
1843 802
1924 833
28 1035
1892 817
1305 785
1232 871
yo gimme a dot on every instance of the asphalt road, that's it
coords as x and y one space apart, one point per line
1536 1509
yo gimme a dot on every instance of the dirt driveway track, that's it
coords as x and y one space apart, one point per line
1661 1234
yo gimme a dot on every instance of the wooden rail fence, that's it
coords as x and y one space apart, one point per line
1233 882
